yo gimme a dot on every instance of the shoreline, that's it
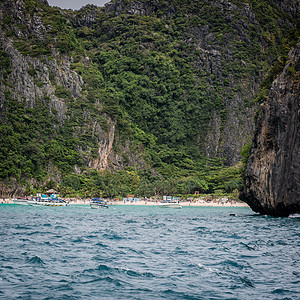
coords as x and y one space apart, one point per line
156 204
143 203
186 204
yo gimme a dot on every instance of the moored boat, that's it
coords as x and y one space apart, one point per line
98 203
21 200
169 204
47 201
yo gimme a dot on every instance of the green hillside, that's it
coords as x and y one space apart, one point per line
137 97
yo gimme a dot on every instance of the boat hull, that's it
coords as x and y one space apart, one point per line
169 205
96 206
20 202
98 203
44 203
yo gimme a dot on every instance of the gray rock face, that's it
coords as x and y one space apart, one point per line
38 86
88 16
44 1
291 7
273 171
142 8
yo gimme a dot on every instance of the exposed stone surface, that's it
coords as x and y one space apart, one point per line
87 16
291 7
272 184
142 8
105 148
38 86
44 1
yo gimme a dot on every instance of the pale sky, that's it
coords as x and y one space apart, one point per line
76 4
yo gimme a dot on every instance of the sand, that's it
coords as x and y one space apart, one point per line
149 203
143 203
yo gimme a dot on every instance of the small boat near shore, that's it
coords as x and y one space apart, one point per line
21 200
98 203
47 201
169 204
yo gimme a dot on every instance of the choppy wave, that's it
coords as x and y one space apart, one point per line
147 253
35 260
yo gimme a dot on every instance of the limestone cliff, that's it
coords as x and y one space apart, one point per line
272 183
48 82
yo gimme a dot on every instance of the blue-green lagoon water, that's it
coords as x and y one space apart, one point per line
143 252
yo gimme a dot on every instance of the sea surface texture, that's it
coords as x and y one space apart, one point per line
140 252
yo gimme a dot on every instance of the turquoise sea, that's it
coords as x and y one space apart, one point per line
143 252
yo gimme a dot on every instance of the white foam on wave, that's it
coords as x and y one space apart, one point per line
207 268
294 216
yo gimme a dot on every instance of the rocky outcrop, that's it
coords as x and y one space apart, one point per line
87 16
105 148
44 2
108 159
34 80
290 7
141 8
22 23
272 179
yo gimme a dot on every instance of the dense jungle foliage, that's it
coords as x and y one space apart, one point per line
161 76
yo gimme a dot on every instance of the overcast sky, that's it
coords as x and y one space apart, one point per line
75 4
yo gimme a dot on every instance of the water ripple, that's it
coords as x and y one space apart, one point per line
147 253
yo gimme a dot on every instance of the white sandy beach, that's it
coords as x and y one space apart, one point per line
151 203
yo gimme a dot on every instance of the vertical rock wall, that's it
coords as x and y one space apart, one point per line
272 183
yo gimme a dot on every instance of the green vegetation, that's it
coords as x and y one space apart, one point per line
162 78
29 142
287 43
5 64
144 183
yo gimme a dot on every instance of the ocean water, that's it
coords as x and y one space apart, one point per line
143 252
